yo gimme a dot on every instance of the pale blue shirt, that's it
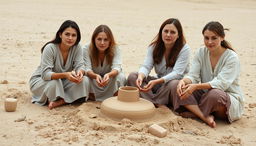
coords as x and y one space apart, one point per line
180 68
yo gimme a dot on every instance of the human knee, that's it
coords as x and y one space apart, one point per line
132 77
52 84
213 95
85 80
173 84
85 83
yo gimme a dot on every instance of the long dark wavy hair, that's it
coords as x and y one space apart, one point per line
218 29
109 52
159 47
64 25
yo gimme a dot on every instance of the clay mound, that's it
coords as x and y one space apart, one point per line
128 105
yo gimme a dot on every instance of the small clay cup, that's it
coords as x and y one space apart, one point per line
10 104
128 94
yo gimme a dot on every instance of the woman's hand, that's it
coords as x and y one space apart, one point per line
102 81
105 79
181 87
99 80
188 90
80 75
72 76
149 86
140 80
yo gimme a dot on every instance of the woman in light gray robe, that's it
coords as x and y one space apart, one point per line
102 59
59 78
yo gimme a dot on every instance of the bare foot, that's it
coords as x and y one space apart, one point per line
210 121
57 103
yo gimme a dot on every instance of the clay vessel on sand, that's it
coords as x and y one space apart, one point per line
128 105
10 104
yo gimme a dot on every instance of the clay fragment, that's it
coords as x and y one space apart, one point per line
157 130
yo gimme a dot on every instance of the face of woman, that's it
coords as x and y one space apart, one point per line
102 41
211 40
169 34
68 37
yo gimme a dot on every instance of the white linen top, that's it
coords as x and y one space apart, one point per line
224 77
180 68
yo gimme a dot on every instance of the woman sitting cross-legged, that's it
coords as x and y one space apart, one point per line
169 55
211 88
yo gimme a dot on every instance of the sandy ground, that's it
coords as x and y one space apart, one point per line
26 25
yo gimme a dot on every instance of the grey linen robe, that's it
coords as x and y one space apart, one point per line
102 93
43 87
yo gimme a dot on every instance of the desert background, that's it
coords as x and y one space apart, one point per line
26 25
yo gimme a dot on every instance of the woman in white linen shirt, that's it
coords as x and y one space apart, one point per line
169 55
102 59
211 87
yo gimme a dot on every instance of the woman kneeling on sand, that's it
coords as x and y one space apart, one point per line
60 77
102 59
211 87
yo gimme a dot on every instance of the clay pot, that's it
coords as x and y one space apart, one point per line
128 105
10 104
128 94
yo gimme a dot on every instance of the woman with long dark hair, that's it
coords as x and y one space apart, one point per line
169 55
211 88
60 79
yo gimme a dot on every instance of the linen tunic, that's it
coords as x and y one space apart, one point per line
180 68
43 87
102 93
224 77
160 93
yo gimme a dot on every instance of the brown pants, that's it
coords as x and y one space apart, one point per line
208 101
159 94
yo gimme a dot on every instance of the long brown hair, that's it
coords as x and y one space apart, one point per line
159 47
218 29
109 52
